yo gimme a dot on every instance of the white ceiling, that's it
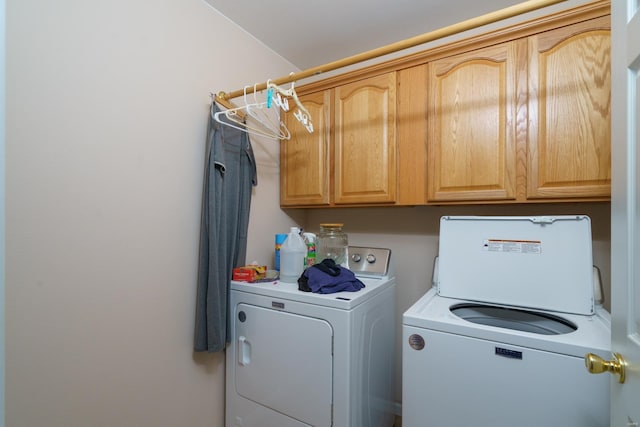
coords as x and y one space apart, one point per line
309 33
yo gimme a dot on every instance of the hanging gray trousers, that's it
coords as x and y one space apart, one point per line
230 174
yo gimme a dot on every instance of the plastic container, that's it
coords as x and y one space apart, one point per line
280 238
292 256
333 243
310 240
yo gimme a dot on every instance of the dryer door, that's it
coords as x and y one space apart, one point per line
285 362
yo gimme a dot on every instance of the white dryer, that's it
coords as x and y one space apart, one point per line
305 359
501 337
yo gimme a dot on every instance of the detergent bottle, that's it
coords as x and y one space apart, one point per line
292 256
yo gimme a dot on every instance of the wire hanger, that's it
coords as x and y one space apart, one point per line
257 111
236 118
265 125
302 114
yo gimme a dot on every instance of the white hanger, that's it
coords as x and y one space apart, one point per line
258 112
302 114
273 95
265 128
234 120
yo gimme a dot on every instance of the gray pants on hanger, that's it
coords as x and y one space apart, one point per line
230 174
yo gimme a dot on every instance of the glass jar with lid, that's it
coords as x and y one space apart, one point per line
333 243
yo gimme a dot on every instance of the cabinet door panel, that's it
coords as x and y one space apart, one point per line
569 152
472 125
411 119
365 141
304 159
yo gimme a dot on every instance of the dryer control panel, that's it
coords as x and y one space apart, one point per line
369 262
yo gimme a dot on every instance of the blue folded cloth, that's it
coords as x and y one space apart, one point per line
327 278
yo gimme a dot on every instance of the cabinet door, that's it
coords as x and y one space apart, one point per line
569 153
472 121
365 141
304 159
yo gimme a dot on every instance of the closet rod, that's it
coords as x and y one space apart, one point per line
469 24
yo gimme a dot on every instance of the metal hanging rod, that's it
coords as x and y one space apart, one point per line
469 24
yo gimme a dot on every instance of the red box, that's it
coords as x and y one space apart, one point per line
249 273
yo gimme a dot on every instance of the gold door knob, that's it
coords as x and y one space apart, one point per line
597 365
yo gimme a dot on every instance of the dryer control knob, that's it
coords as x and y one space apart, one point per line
356 257
371 258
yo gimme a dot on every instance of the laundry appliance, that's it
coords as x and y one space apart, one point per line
500 338
305 359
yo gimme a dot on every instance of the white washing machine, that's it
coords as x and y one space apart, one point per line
304 359
500 338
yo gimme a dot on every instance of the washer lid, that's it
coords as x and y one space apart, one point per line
518 319
542 262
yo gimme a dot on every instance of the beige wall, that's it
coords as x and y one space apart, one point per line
106 119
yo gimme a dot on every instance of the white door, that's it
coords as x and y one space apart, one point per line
625 208
285 363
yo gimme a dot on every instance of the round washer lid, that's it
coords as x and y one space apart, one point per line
537 262
513 318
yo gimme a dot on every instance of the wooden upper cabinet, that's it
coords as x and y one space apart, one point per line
519 115
355 163
365 141
569 147
473 122
304 159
